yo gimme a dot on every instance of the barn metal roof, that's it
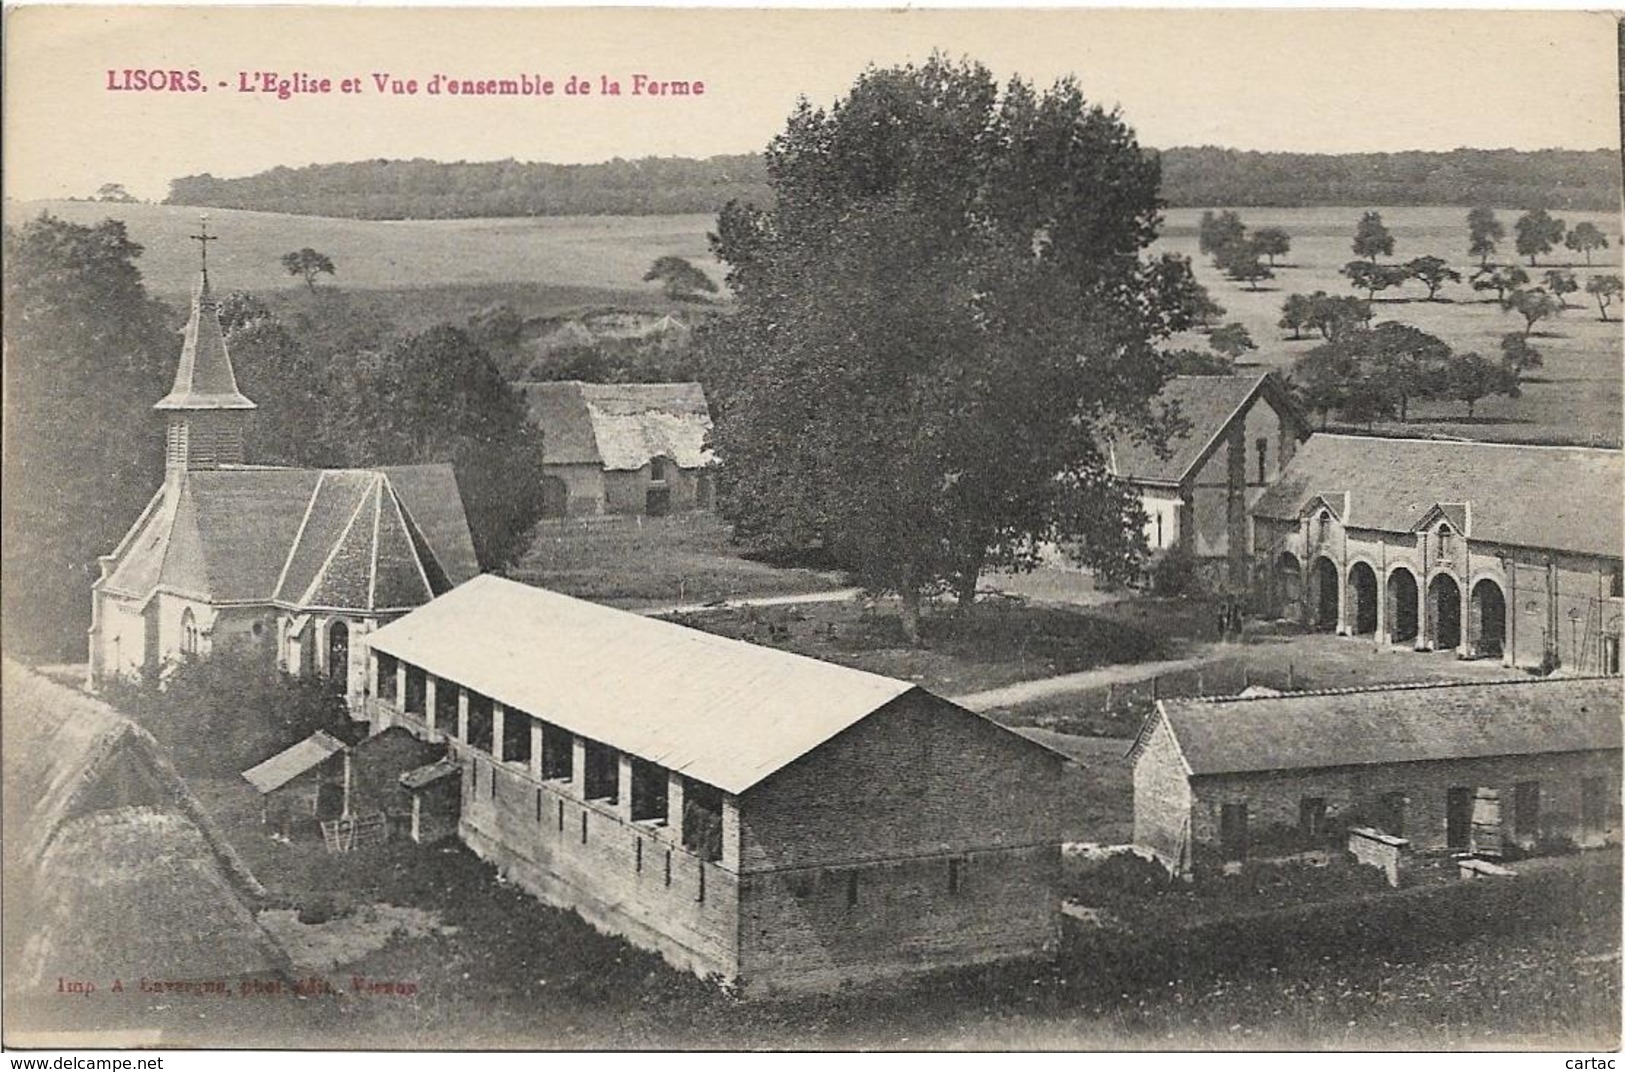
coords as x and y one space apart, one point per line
721 711
291 762
1393 724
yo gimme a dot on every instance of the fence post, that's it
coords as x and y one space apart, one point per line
1291 678
1156 682
1201 690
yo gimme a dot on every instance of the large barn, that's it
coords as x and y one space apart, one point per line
622 448
777 821
1445 766
1489 550
297 563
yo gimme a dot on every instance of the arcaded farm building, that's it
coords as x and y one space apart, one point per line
1496 551
769 819
293 563
622 448
1446 766
1237 434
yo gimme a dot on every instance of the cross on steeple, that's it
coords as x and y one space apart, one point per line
203 238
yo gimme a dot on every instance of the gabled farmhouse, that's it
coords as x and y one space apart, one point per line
1489 550
1445 766
1241 431
110 861
774 820
622 448
297 562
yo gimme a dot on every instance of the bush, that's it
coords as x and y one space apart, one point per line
1173 573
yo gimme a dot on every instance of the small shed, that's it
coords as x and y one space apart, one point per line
436 794
305 781
378 765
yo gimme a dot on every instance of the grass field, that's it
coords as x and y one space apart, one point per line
447 269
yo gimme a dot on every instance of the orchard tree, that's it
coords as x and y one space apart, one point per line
1500 279
1183 292
1560 281
1433 273
1295 314
1537 233
1371 277
1472 377
1372 239
947 308
1518 355
1272 242
1339 377
1605 289
1483 232
308 264
1334 317
1584 238
1410 362
87 353
1533 305
681 280
116 193
1232 341
1218 231
1240 262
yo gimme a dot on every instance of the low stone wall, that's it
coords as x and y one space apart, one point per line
1379 850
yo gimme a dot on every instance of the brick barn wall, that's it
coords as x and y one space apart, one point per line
1273 798
625 492
601 878
1162 798
891 801
585 484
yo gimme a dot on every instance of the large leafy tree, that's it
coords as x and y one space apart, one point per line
1372 239
88 352
1483 232
1584 238
437 397
1537 232
946 310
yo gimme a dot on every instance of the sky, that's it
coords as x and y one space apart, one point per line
1309 81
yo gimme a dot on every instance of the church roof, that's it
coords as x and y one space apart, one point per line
1208 405
620 426
1557 498
205 379
340 539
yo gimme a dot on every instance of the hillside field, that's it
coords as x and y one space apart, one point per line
546 266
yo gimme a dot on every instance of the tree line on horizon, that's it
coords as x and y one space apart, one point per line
1560 179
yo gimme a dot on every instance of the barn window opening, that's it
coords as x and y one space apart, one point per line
493 783
479 721
649 783
417 691
1391 814
1233 830
583 826
1526 808
1312 817
603 773
1159 528
561 816
516 737
702 820
386 677
1322 522
1263 448
1616 581
953 875
538 805
445 704
851 889
637 852
558 754
657 469
700 893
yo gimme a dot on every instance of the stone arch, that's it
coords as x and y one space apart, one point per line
1288 586
1444 612
1487 624
555 497
1324 583
1403 626
1362 582
338 649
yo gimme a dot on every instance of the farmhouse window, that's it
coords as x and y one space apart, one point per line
1526 808
657 470
1233 830
1391 814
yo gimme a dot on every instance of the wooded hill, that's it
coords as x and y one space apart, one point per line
658 186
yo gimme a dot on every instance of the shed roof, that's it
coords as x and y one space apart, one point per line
620 426
1561 498
293 761
1394 724
362 539
1209 405
722 711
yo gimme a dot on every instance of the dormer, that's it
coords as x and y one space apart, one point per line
1442 531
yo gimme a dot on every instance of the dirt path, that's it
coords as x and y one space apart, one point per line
1044 688
839 595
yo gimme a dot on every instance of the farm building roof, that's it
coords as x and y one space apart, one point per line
620 426
352 539
112 859
1561 498
1209 405
1393 724
431 773
722 711
291 762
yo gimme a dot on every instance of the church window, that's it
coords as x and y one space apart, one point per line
189 633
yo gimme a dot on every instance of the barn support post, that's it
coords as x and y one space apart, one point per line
498 718
1467 643
462 714
535 749
1510 567
674 803
1380 638
623 788
400 685
429 702
578 767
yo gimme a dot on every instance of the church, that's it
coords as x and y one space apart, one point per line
296 563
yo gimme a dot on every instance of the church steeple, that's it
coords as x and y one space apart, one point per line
207 414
